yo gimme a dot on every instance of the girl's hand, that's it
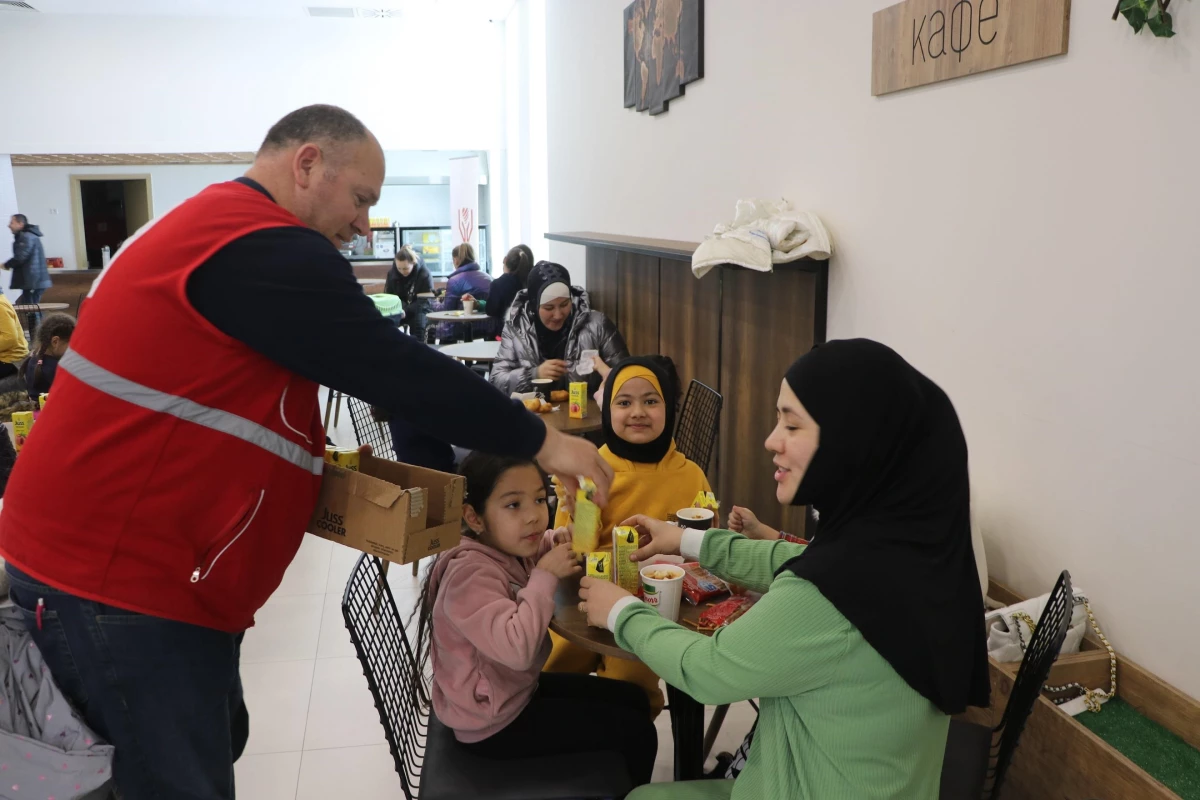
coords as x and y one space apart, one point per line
560 562
598 597
664 537
468 298
743 521
601 367
561 535
553 369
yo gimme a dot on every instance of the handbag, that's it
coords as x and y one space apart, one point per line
1011 628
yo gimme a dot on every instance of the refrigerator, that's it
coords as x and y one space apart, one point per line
436 246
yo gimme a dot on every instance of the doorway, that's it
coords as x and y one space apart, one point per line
107 210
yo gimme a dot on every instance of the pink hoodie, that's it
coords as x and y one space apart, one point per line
491 618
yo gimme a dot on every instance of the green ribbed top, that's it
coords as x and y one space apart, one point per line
835 719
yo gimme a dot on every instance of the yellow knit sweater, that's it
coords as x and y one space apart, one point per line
13 346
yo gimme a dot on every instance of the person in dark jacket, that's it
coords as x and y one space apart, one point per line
467 279
408 279
517 266
548 327
30 273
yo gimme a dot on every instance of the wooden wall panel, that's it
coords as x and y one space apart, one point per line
602 282
690 322
637 300
767 322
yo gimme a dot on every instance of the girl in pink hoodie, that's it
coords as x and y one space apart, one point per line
484 620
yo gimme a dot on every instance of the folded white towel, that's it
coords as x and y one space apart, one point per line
763 233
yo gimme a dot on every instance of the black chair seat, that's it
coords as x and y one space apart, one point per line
964 770
452 772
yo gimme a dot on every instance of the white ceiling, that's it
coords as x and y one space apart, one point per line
474 10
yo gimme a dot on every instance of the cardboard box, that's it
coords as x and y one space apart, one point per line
395 511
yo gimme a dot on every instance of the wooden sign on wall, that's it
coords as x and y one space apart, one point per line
925 41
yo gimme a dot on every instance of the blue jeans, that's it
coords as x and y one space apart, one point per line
166 694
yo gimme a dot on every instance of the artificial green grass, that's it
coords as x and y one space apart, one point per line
1163 755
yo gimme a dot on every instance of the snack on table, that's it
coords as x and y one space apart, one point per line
664 573
585 533
598 565
787 537
625 572
560 396
724 612
537 405
699 584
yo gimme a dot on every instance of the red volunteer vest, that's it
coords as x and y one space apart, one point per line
175 469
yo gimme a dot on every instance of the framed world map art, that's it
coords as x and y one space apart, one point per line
664 51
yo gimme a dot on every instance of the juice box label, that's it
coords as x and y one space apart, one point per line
578 400
599 565
22 424
625 572
343 457
42 398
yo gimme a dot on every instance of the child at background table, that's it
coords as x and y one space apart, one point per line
650 477
483 620
13 346
49 345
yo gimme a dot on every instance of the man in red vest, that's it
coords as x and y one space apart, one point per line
166 488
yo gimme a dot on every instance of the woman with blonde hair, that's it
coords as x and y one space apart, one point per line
467 279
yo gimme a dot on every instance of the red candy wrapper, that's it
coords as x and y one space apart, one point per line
699 584
725 612
787 537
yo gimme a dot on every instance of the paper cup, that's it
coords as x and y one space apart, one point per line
543 386
468 306
663 594
699 519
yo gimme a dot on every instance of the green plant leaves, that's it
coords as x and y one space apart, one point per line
1148 14
1161 25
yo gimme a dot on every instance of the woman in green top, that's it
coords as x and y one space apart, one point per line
868 638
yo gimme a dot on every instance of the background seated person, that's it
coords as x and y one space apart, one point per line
550 325
467 279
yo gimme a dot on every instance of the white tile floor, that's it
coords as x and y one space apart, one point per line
314 732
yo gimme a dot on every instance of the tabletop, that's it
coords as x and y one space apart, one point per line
371 281
561 419
457 316
42 306
571 623
473 351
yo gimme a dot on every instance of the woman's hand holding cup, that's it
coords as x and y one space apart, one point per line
665 538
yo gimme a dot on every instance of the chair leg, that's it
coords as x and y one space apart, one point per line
416 567
337 409
714 728
328 408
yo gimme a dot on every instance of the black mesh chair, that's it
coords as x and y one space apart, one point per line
369 430
699 424
431 763
977 757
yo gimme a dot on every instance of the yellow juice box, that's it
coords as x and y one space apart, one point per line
585 532
344 457
22 424
706 500
579 400
625 572
42 398
599 565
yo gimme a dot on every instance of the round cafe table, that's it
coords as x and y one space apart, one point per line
562 420
33 310
484 351
687 715
457 316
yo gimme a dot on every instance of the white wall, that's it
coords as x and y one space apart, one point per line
44 195
168 84
525 126
8 204
1023 236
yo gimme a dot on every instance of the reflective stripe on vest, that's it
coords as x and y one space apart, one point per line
215 419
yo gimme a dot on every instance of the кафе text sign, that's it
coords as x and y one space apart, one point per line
925 41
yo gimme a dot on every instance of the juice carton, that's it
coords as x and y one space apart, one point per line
599 565
42 398
625 572
585 533
579 400
22 424
344 457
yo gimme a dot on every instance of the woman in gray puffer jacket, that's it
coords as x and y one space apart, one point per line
548 327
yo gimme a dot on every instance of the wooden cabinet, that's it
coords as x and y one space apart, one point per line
735 330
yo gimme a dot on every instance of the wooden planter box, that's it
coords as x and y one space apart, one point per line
1060 759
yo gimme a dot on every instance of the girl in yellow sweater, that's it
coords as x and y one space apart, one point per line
650 477
13 346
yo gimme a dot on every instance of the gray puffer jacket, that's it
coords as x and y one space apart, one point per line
516 366
28 263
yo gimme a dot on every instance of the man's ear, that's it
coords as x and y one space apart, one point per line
474 521
305 164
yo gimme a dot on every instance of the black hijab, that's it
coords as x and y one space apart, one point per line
893 550
551 344
650 452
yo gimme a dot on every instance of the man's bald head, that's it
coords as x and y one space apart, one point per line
322 164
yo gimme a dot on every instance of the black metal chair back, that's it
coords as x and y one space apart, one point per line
388 661
699 424
369 430
1043 649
